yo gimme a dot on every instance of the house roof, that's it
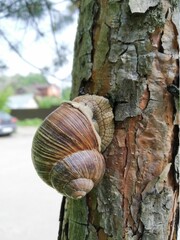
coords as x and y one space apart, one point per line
22 101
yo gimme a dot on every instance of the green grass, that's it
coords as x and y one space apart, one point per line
35 122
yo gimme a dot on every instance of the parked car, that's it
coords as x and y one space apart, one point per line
7 123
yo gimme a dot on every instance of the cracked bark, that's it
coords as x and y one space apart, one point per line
129 54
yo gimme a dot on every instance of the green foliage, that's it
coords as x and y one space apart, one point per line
19 81
66 93
32 78
25 81
47 102
35 122
24 10
4 94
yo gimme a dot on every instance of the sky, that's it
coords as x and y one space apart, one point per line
38 52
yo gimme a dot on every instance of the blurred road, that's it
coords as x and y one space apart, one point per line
29 209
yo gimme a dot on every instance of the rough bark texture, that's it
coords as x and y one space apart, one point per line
127 51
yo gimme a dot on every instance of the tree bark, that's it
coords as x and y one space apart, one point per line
127 51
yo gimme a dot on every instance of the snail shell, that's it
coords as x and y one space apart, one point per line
66 147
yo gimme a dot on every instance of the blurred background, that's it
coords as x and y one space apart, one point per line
36 45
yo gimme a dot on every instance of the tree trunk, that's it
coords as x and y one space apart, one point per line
127 51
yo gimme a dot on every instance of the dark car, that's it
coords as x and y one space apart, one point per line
7 123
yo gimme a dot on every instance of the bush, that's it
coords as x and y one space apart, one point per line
35 122
47 102
66 93
4 95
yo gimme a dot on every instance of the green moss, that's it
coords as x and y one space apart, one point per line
102 47
79 210
77 214
77 231
82 65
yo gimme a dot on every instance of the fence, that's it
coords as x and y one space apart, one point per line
41 113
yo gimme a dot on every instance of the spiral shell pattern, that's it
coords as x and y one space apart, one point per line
83 169
65 131
66 147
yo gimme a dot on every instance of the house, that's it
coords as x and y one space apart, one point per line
50 90
22 101
40 90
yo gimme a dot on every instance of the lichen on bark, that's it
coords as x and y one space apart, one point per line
157 203
109 202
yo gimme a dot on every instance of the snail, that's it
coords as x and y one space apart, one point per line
66 148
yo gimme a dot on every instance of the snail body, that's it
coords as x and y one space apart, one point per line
66 149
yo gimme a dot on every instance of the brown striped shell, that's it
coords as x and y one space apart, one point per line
83 169
66 150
